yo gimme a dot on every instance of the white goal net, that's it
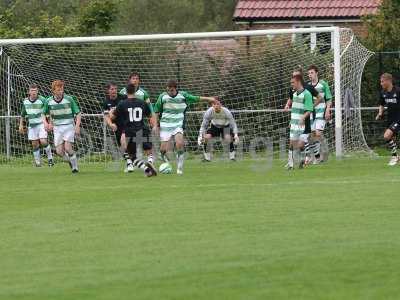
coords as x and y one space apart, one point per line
249 71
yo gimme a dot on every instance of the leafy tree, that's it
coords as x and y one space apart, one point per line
97 17
43 18
383 36
32 19
384 27
169 16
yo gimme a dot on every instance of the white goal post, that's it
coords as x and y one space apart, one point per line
194 56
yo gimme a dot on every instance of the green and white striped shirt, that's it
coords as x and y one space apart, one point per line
302 102
172 109
323 90
62 112
33 110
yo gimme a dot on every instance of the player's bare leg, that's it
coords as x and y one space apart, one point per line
134 162
229 140
123 143
60 152
307 150
207 147
36 153
69 150
180 152
44 144
130 154
148 150
301 152
127 157
392 145
317 138
164 147
149 155
290 163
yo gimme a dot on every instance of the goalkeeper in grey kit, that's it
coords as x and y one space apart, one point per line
222 125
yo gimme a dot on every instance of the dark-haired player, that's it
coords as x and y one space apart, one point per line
140 94
314 93
322 111
110 102
32 115
131 113
171 107
390 97
307 86
300 123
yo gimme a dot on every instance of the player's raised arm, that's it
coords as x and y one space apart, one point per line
193 99
210 100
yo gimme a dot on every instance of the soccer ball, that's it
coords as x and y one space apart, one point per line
165 168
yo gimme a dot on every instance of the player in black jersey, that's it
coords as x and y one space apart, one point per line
389 96
110 102
131 114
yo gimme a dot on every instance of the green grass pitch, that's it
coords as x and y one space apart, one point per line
222 231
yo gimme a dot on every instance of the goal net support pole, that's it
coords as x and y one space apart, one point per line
338 97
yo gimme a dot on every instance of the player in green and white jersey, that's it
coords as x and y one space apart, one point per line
32 115
171 107
322 111
64 118
141 94
300 121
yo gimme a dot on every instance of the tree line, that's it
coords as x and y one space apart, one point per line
49 18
